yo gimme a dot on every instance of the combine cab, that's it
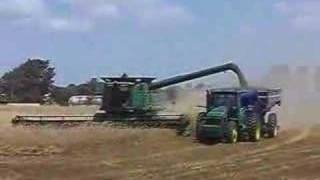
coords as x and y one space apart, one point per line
125 96
236 114
128 100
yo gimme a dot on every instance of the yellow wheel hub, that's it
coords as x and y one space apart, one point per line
234 136
258 134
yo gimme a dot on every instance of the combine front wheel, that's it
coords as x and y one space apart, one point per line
99 117
198 126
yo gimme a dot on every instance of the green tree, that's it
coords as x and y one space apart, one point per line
29 82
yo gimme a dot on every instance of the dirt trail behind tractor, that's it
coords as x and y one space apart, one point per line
129 101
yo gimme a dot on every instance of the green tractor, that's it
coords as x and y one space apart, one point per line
234 114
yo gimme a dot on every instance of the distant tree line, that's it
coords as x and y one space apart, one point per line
61 95
33 80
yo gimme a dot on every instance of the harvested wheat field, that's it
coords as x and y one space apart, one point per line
105 153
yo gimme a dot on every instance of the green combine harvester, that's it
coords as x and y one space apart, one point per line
129 101
234 114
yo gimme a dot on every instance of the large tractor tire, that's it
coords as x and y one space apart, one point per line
272 125
254 127
231 132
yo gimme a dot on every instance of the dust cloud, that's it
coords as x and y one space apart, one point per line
300 94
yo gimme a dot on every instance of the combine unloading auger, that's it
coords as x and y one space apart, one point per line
128 101
199 74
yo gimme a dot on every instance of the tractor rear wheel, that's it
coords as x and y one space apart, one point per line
232 132
254 127
272 125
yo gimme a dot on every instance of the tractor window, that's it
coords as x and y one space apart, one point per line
224 100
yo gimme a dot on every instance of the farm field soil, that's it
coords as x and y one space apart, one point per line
105 153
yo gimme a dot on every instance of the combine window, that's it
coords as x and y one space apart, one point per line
116 97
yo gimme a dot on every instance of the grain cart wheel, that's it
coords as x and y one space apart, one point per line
254 127
272 125
232 132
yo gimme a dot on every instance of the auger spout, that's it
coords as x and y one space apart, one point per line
202 73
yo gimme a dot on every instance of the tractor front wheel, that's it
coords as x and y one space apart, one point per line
198 126
232 132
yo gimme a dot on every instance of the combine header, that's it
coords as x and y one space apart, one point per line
129 101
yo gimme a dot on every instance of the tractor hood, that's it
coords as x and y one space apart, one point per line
217 112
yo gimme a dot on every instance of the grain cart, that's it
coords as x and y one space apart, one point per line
239 113
129 100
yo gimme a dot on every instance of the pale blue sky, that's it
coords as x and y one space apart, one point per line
88 38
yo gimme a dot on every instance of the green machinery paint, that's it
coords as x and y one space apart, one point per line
141 98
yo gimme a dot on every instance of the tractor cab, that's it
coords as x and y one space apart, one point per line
229 101
125 94
231 98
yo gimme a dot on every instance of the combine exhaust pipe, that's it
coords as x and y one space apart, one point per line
199 74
